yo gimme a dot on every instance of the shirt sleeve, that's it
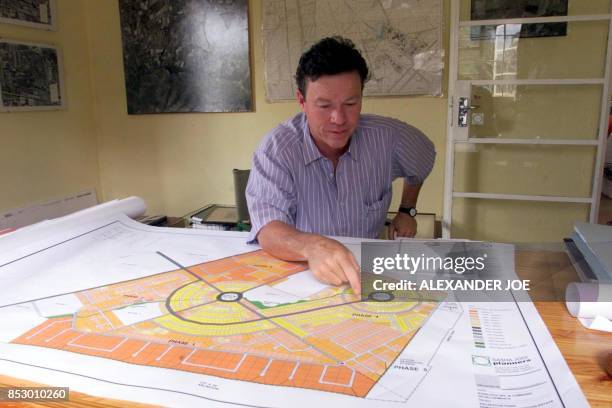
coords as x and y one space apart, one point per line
270 192
413 156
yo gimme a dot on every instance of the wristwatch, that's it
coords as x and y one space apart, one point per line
411 211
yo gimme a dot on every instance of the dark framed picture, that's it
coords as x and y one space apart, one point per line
31 13
186 55
30 77
501 9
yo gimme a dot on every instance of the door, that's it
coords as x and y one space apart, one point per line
527 119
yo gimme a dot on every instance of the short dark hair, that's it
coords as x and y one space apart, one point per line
330 56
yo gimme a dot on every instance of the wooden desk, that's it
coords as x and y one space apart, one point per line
584 350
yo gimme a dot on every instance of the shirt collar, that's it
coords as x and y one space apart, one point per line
353 150
311 152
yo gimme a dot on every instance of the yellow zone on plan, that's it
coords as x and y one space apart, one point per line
192 295
175 324
386 307
234 286
220 313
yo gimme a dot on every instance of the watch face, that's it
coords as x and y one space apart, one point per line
411 211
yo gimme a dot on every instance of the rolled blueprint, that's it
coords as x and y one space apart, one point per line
589 300
132 207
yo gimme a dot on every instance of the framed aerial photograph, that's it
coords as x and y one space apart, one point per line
30 77
31 13
498 9
186 56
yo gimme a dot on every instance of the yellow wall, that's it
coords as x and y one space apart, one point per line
48 154
178 162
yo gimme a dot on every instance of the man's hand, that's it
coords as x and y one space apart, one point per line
402 225
331 262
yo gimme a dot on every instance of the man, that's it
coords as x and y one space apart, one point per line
329 169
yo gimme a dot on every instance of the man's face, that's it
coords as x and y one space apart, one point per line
332 105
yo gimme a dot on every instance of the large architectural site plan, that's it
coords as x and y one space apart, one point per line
175 317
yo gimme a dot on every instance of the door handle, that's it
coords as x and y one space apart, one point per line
463 111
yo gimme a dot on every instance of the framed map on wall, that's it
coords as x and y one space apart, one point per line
30 13
401 40
186 56
30 77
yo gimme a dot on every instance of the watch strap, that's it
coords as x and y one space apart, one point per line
411 211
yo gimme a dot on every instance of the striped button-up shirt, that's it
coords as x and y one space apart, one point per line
291 181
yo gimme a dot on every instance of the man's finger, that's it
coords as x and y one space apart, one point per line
351 271
391 231
357 284
338 270
409 232
404 232
328 275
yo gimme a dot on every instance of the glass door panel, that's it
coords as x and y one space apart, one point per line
514 221
524 169
501 53
535 111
